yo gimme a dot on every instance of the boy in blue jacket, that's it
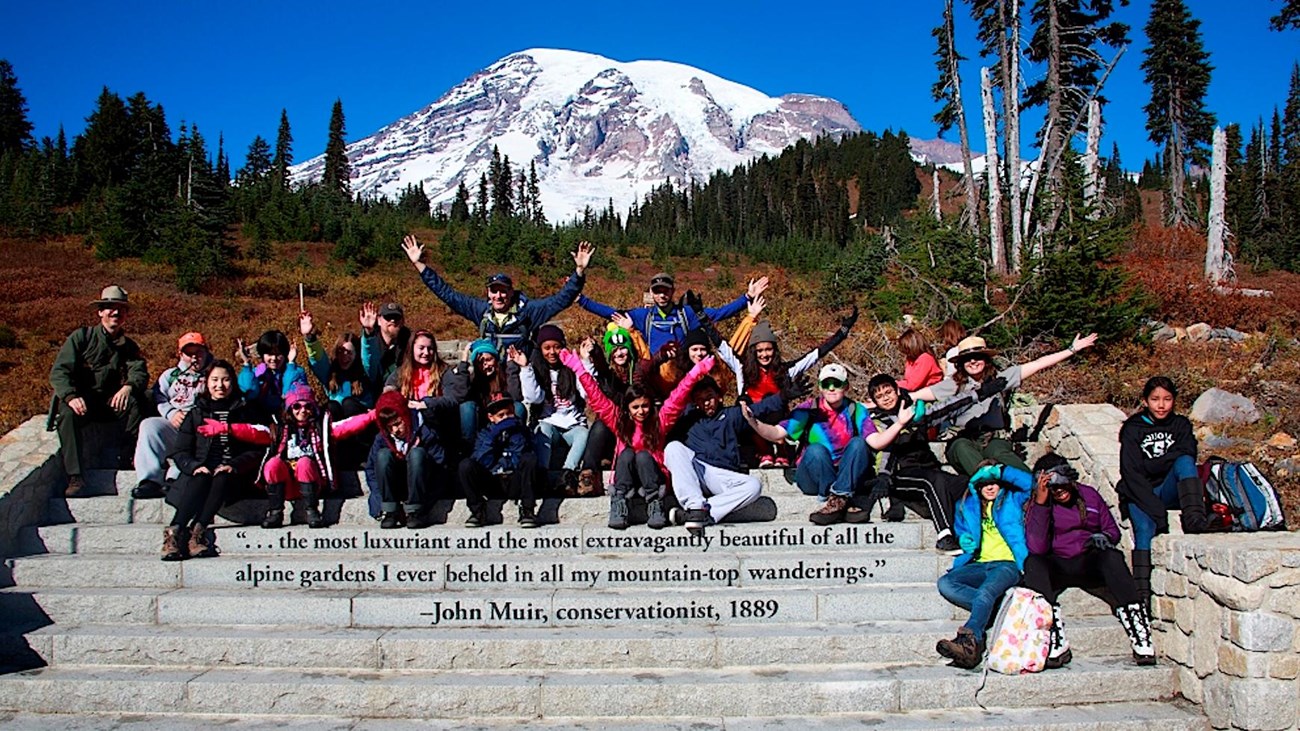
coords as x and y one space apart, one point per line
503 452
990 528
407 461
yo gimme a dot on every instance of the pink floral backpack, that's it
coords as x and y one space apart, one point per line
1021 634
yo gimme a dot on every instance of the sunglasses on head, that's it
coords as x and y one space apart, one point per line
831 384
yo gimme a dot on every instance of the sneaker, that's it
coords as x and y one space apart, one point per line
831 512
766 460
147 490
677 516
415 520
274 518
527 518
655 517
618 512
781 461
964 650
76 486
696 520
391 520
475 520
948 544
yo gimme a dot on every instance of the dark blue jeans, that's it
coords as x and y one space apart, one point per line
1144 528
818 475
978 586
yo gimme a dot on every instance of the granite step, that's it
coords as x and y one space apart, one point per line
29 608
626 693
1139 716
891 642
563 539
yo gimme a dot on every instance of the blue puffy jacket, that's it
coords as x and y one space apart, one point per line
1008 516
521 320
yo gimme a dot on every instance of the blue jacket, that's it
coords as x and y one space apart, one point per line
1008 515
662 326
427 435
500 446
266 389
716 440
523 318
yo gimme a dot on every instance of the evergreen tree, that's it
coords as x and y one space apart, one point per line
535 196
1178 71
283 153
15 128
1288 16
223 164
414 202
481 202
460 204
257 163
337 174
103 152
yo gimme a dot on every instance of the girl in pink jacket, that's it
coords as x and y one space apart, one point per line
642 434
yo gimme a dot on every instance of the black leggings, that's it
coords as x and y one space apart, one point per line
201 496
600 446
1050 575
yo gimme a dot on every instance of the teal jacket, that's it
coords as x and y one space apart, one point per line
1008 516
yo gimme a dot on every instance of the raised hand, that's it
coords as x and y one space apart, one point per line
1041 489
797 388
1083 342
464 352
756 288
293 351
241 351
667 352
582 257
305 324
622 319
756 306
585 348
413 249
368 316
516 356
990 388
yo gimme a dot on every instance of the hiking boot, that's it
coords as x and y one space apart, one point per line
527 518
587 483
1058 648
203 542
391 520
175 540
314 518
274 518
417 518
831 512
1194 517
617 512
696 520
274 506
947 544
475 519
1133 617
76 486
655 517
147 490
964 650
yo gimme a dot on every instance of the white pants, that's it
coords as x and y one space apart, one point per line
157 439
692 478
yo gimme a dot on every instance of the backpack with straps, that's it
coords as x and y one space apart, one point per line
1021 634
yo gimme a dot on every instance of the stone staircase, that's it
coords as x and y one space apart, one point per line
757 625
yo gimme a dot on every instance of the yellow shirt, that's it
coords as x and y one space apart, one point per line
992 545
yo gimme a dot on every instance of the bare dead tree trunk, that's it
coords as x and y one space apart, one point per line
1091 160
970 216
1011 115
1216 264
934 195
991 171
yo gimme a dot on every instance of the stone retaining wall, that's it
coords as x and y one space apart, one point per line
1228 607
28 470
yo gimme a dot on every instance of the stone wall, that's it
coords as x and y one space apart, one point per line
28 469
1227 607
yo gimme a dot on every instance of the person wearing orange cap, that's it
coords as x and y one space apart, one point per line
174 395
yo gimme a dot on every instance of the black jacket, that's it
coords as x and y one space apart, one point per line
1147 450
193 450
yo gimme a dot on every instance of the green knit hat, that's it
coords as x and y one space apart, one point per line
615 337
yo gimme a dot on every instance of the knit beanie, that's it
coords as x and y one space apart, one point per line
696 337
298 393
481 346
615 338
762 333
547 333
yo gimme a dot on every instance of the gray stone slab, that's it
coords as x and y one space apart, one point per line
84 570
1106 680
452 609
35 607
695 607
882 602
94 690
234 607
207 646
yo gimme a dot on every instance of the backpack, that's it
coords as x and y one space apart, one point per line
1242 495
1021 633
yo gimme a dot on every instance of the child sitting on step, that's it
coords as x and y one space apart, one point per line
301 463
503 453
408 461
990 527
641 430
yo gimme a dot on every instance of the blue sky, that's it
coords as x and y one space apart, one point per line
232 66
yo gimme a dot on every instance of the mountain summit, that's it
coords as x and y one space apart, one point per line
597 130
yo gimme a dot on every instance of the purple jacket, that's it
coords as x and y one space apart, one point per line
1058 530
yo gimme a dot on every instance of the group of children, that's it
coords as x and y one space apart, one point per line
678 415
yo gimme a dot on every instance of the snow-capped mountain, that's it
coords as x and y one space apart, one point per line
597 130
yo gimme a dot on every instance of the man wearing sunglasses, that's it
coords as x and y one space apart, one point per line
666 321
505 316
837 436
